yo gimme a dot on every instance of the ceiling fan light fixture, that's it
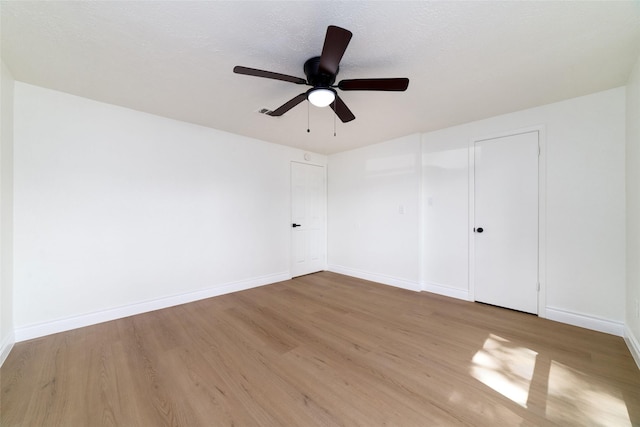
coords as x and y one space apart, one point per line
321 97
321 72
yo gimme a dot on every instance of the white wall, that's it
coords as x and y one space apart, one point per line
585 192
118 212
373 212
585 199
632 320
445 183
6 212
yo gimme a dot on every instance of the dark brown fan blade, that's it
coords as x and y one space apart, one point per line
398 84
268 74
335 43
342 111
288 105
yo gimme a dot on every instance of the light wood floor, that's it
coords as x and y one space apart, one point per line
323 350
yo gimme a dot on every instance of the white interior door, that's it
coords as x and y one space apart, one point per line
506 221
308 218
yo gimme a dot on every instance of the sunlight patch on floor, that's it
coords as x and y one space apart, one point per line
564 394
582 396
506 368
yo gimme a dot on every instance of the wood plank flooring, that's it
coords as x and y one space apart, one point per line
323 350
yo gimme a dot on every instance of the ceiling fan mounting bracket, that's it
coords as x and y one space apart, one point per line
315 77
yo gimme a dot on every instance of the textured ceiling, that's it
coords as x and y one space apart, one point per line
465 60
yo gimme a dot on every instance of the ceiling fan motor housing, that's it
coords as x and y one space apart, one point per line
315 76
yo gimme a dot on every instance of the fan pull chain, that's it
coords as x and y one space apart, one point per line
334 125
308 130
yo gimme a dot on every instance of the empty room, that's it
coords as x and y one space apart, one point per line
319 213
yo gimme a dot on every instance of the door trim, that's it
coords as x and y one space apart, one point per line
542 210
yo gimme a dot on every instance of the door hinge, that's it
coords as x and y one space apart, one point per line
538 286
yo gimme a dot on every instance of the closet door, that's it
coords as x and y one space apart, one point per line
506 221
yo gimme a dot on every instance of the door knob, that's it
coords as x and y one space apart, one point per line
296 225
479 230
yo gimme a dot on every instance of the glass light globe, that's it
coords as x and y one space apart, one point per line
321 97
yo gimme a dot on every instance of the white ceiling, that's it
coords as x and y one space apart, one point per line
465 60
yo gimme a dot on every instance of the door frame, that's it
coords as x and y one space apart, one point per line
325 212
542 210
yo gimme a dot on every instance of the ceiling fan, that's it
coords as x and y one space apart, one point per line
321 72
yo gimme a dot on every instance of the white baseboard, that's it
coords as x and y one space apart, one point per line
633 344
60 325
5 347
447 291
374 277
401 283
564 316
585 321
